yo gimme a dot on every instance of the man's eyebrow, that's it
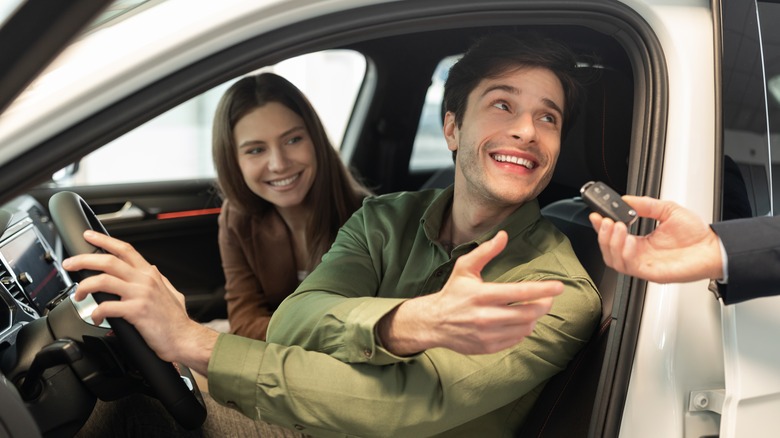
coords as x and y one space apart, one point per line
513 90
501 87
283 134
550 103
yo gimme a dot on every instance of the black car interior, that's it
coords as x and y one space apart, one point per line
606 121
597 148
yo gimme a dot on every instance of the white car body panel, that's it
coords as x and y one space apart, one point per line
752 354
680 347
677 317
136 58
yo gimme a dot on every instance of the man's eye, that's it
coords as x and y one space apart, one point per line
502 106
548 118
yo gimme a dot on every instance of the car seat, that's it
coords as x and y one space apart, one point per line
600 141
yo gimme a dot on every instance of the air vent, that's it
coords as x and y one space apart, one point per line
12 286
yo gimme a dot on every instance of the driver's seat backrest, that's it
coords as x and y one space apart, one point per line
602 134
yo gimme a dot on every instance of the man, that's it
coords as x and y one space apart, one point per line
741 253
412 323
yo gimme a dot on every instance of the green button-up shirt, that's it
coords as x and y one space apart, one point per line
386 253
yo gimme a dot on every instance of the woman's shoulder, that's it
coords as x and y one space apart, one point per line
266 227
231 215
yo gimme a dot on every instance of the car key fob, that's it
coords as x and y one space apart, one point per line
605 201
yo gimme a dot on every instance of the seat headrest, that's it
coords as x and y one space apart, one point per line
597 146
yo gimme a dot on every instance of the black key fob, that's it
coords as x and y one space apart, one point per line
607 202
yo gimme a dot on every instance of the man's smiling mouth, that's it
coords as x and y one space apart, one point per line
501 158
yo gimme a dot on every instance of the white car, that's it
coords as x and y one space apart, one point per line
685 108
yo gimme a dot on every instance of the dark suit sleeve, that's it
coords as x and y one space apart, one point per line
753 250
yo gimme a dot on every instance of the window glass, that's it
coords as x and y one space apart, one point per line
8 8
747 187
430 149
177 144
769 16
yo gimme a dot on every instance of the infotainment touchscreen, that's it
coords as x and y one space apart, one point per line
34 266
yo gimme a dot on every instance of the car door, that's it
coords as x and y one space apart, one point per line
173 224
153 187
749 188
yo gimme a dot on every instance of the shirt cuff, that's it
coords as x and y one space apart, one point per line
366 347
724 257
232 372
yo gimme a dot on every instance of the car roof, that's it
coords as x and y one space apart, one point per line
32 34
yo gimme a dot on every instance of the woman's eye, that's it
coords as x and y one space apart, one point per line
254 151
548 118
296 139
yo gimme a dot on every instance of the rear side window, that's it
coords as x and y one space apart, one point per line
430 149
751 108
177 144
769 17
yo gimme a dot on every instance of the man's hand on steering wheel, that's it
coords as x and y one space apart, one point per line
144 310
147 299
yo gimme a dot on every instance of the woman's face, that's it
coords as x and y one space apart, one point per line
276 155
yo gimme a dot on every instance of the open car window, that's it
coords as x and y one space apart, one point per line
185 131
430 149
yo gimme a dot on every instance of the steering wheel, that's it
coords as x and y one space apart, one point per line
72 216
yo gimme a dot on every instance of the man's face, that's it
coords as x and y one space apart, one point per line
510 137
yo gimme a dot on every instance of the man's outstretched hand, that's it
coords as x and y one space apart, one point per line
468 315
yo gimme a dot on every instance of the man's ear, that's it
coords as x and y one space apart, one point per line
451 131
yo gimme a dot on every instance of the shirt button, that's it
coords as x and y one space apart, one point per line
299 427
367 353
438 273
232 404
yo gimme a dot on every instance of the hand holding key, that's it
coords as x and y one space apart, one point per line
682 248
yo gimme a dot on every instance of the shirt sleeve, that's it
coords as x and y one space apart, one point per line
433 393
753 249
247 307
333 316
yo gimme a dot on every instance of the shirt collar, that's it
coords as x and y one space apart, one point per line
526 215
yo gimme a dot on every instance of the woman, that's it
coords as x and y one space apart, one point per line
286 193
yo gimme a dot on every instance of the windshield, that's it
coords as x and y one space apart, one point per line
119 10
7 8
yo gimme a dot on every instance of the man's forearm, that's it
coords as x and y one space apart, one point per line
196 347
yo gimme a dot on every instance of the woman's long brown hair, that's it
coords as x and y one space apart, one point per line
334 195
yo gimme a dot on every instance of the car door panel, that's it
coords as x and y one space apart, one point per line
173 225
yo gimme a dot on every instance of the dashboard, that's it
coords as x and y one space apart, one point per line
32 282
55 362
31 278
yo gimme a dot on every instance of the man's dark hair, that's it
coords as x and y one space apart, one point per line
496 54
